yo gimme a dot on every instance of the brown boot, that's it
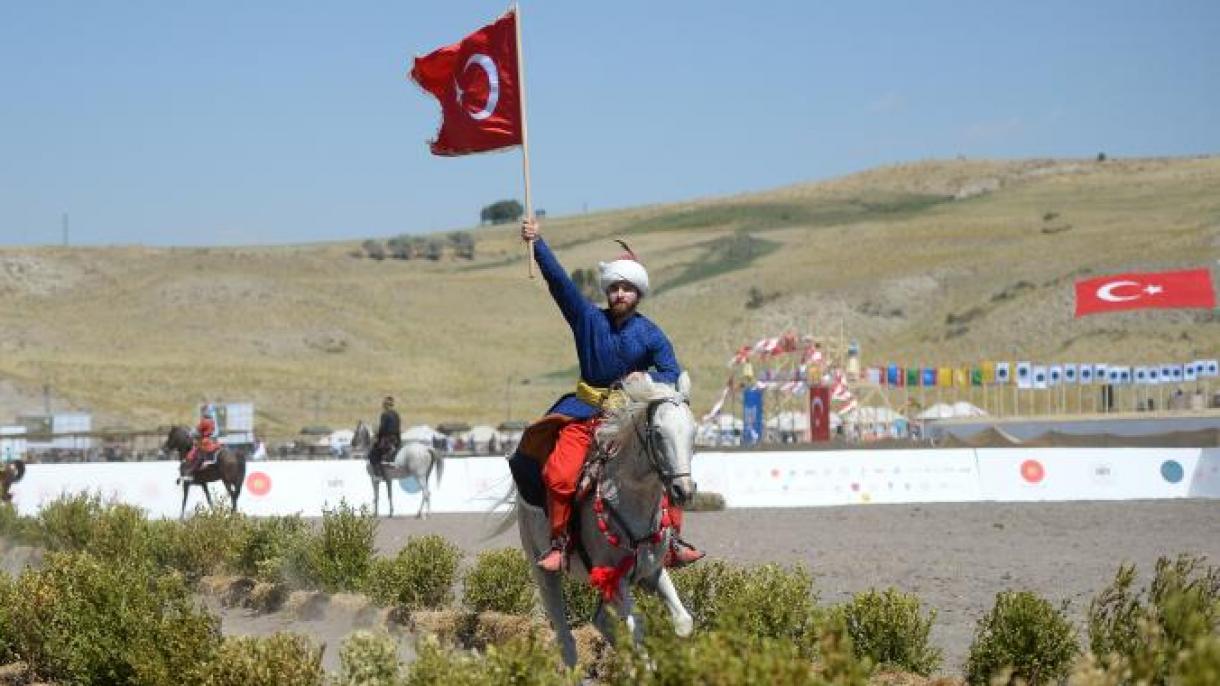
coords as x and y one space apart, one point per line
553 560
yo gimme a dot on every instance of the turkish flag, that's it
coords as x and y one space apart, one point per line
819 413
1188 288
477 84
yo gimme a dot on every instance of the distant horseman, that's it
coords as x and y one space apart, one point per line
389 437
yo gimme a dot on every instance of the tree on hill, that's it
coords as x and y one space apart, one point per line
463 244
501 212
374 249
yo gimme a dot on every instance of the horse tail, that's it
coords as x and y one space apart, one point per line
18 468
439 460
509 518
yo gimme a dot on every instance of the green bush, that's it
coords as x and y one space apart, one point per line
281 658
725 657
84 620
121 532
66 523
15 528
887 628
767 601
420 577
1199 665
1147 629
1026 634
370 659
208 542
527 661
580 601
270 548
339 557
500 582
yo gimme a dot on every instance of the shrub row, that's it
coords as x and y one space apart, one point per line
113 600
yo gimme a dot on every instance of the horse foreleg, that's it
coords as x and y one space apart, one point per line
207 494
389 495
550 590
683 623
623 607
425 503
376 496
186 489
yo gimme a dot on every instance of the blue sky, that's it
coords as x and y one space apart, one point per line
225 122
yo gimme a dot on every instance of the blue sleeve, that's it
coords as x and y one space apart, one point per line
664 361
571 301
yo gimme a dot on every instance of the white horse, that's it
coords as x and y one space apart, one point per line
645 448
414 458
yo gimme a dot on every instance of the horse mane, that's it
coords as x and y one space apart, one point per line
626 409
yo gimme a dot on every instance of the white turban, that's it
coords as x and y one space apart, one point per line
624 270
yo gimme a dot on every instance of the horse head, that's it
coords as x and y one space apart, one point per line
177 441
362 438
657 424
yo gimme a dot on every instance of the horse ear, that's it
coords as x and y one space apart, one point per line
684 385
638 386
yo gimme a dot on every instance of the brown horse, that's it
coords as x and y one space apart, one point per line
228 466
13 471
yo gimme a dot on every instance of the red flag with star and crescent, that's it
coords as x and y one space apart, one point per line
1191 288
477 84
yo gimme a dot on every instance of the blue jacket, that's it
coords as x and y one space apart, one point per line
606 353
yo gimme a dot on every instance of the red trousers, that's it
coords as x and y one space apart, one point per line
562 470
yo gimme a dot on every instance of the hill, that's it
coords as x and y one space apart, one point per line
942 261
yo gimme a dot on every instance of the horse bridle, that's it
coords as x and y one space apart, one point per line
650 436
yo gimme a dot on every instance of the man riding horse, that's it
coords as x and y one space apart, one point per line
206 445
388 439
611 344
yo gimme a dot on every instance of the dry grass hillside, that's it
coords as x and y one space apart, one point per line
947 262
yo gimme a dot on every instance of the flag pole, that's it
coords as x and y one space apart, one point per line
525 141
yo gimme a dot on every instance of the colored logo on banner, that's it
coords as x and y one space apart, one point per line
1171 471
1033 471
258 483
409 484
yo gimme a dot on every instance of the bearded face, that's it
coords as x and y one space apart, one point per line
622 298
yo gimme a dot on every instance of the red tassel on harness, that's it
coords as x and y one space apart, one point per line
606 579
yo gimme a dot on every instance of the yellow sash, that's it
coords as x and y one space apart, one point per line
593 395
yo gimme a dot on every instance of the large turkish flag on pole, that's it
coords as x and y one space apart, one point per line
1191 288
477 83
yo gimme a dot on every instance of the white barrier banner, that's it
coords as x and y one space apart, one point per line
745 479
820 478
1018 474
270 488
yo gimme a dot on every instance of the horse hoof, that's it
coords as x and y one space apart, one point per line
684 627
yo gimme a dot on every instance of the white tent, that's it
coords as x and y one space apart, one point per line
422 433
872 415
340 439
937 411
789 421
482 434
962 408
947 411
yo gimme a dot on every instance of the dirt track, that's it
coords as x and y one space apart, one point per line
955 556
